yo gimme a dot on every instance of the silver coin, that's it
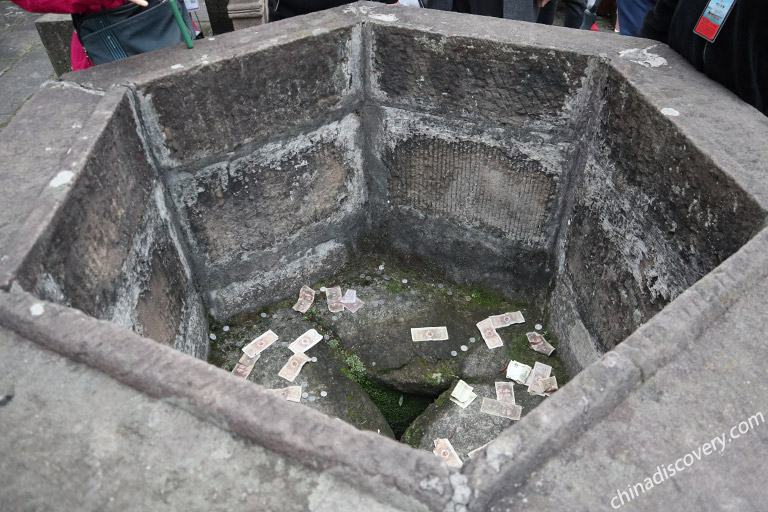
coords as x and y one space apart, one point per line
441 286
312 399
449 292
464 348
263 315
226 328
362 276
212 336
304 384
304 395
472 340
323 393
537 327
405 281
454 353
314 359
334 318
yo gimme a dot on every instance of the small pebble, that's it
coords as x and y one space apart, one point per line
464 348
263 315
323 393
304 384
240 343
305 395
212 336
226 328
472 340
314 359
334 318
398 299
373 363
537 327
405 281
454 353
312 399
449 292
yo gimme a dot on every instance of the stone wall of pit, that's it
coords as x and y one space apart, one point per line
651 214
109 245
266 175
472 143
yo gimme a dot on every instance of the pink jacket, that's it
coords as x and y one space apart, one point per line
77 53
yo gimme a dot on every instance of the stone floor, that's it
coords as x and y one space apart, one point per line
24 64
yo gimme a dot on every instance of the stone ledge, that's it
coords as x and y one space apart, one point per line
213 395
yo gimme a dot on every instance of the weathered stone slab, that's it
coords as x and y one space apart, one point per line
29 167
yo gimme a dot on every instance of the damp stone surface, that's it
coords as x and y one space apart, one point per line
148 203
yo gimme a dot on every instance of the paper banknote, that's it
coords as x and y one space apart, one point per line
444 449
507 319
505 392
477 450
548 385
349 296
429 333
305 342
502 409
245 365
306 298
491 337
540 371
539 344
258 345
518 372
353 306
294 366
291 393
462 394
334 299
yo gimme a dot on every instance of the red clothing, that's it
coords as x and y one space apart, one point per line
77 53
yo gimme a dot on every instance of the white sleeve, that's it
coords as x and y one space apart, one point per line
410 3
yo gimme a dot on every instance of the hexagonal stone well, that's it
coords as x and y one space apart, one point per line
143 197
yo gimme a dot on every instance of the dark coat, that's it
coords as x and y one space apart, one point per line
737 59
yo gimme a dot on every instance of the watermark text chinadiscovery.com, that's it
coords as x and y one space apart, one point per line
665 472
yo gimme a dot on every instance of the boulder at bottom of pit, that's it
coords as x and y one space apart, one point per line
324 387
467 428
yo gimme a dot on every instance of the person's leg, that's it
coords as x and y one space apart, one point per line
631 15
523 10
547 13
574 13
486 8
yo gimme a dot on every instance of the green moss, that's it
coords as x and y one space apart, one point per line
388 401
487 298
413 436
519 350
